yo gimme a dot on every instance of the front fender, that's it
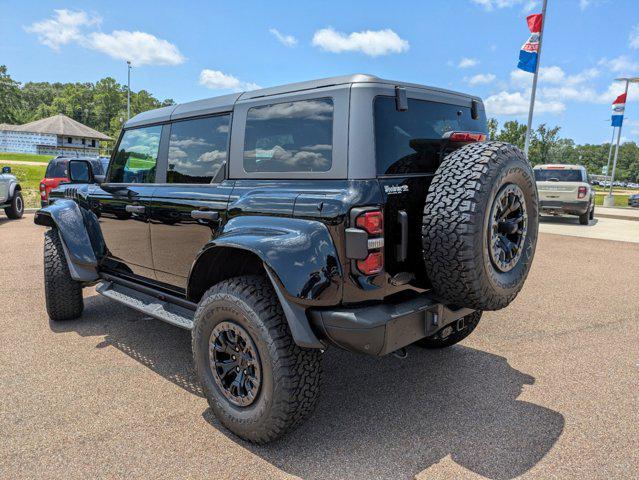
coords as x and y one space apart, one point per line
299 252
12 188
67 217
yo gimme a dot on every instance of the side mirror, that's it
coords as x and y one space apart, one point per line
6 169
80 171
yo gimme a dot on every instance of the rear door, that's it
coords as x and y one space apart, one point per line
409 146
189 204
123 201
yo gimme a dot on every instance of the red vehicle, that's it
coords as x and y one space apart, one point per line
57 173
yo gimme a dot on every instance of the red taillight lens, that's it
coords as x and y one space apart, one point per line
581 193
467 137
372 222
43 191
372 264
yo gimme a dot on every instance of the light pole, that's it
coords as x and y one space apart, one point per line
609 201
128 90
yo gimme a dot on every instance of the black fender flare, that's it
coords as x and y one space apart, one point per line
66 216
300 259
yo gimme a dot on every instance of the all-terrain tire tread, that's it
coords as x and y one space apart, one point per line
453 222
296 370
63 295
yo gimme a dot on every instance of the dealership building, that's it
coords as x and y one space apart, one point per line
56 135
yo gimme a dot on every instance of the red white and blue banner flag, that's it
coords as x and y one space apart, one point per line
529 53
618 107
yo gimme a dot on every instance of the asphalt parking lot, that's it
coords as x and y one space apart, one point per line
546 388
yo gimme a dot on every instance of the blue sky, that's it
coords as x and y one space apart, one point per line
189 50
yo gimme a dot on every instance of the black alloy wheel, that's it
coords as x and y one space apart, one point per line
508 227
235 363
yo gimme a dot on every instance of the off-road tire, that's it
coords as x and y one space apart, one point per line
63 295
592 213
16 209
584 219
291 375
451 335
456 224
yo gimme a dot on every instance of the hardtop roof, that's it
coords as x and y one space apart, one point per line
225 103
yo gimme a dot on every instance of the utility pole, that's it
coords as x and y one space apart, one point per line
612 141
128 90
534 84
609 200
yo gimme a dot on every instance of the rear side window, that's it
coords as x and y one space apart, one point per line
57 169
411 141
290 137
559 175
136 156
198 150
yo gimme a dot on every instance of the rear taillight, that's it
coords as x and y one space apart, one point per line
372 264
467 137
43 191
581 193
368 239
372 222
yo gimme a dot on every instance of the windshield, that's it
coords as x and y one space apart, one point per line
410 141
558 175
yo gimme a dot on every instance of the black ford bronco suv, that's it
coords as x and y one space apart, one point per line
352 211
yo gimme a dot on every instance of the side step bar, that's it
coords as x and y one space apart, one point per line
148 304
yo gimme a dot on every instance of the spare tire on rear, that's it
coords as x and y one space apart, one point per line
480 225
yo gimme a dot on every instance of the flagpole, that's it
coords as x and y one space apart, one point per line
612 141
614 164
534 84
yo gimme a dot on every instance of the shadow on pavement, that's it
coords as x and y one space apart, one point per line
382 418
566 220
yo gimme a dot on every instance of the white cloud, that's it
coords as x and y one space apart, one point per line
553 75
286 40
516 104
216 80
622 63
369 42
583 4
139 47
481 79
633 38
65 27
492 4
467 62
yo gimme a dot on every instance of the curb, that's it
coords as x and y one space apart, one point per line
616 217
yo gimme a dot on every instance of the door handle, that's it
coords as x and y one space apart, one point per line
205 215
135 208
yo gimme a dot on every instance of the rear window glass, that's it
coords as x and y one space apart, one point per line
410 141
290 137
558 175
57 169
198 150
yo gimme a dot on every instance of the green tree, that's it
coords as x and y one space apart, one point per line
513 132
493 127
9 97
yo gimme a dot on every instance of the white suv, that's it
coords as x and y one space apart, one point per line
565 189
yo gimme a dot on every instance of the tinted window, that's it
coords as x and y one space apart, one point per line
57 169
558 175
97 167
290 137
198 150
411 141
136 156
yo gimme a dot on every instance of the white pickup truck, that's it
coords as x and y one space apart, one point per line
10 194
564 189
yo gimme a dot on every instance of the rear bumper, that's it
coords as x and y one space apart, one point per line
558 206
383 328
